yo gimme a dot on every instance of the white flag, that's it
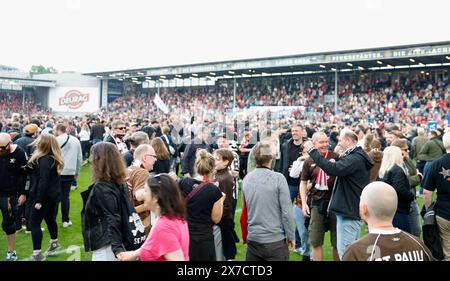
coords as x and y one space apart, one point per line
160 104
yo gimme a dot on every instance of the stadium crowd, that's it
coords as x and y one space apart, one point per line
166 186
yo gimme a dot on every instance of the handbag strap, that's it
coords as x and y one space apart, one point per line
64 144
194 191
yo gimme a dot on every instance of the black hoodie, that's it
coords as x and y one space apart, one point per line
353 172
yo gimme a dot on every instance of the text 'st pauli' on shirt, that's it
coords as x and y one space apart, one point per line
438 178
199 207
309 173
393 245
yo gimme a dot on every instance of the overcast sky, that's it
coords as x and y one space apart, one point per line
102 35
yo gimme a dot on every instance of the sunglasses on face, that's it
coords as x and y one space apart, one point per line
5 147
121 128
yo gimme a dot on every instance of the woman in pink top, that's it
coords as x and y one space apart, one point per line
169 236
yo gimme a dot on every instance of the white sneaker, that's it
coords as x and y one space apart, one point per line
67 224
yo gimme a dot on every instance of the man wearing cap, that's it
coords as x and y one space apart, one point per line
30 134
12 183
431 150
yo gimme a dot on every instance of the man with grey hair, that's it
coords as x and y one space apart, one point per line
353 174
384 242
438 178
138 173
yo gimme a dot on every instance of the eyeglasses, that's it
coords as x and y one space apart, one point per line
152 155
5 147
121 128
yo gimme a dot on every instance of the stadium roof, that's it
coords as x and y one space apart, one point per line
397 57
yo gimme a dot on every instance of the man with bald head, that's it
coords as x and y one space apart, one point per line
315 191
12 184
384 242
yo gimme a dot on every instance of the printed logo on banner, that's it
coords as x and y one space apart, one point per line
74 99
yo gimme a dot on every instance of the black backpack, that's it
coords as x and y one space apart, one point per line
133 230
431 236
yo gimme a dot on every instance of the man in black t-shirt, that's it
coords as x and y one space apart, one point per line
438 178
12 183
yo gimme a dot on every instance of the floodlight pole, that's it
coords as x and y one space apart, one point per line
335 91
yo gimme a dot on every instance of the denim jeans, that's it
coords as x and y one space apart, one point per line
302 231
104 254
293 191
347 231
414 219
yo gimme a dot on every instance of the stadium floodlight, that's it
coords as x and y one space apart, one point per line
194 74
447 57
148 78
360 68
140 73
99 76
322 66
231 72
120 79
178 75
162 76
212 73
389 66
422 72
421 64
333 69
412 60
379 62
349 64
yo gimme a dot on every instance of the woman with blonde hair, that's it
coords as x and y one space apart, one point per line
46 165
162 164
392 172
204 203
